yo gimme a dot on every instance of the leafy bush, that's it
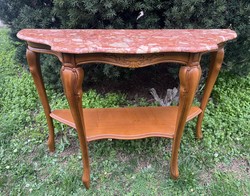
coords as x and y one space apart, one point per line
123 14
17 95
226 122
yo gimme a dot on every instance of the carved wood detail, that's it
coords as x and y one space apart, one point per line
132 60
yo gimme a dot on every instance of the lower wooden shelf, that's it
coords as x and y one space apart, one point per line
126 123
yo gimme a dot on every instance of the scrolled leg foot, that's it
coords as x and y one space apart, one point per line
174 171
174 174
86 181
51 144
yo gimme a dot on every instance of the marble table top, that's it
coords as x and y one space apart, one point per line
129 41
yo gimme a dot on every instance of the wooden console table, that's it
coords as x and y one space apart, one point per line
130 49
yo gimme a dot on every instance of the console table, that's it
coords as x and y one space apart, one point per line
129 49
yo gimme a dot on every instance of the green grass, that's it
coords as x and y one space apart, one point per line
216 165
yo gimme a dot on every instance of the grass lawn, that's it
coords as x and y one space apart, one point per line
216 165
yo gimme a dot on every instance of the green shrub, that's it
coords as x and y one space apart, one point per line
164 14
17 92
123 14
226 122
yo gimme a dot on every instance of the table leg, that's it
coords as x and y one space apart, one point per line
33 59
215 66
72 78
189 80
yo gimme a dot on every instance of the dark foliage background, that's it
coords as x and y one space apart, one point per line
122 14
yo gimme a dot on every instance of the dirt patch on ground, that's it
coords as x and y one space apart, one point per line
122 157
71 149
238 167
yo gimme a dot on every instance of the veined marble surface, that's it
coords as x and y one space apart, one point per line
128 41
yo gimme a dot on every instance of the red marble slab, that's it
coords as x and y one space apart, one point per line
128 41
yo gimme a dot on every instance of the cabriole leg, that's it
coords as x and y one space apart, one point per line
215 66
189 79
72 78
35 69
